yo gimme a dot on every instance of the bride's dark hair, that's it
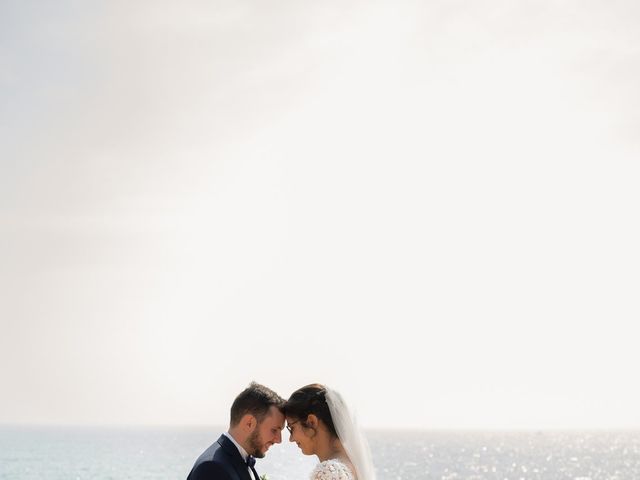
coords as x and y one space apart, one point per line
310 400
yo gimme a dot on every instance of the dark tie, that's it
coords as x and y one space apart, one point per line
251 461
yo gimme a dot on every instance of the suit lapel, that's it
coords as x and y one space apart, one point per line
255 474
235 458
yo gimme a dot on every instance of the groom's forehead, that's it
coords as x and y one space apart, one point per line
274 415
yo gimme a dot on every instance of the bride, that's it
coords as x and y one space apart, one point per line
320 423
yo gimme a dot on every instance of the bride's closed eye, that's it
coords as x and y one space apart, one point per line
290 425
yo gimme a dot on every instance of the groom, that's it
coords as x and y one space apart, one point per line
256 424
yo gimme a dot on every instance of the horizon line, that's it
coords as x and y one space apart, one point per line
381 429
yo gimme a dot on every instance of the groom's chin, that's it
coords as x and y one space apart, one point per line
260 452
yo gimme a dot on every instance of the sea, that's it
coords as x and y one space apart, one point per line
91 453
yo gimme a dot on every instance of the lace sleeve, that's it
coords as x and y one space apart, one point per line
331 470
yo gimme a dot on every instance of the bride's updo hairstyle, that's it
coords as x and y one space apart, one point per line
310 400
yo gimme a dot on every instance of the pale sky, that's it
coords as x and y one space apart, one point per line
433 206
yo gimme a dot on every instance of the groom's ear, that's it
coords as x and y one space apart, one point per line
248 422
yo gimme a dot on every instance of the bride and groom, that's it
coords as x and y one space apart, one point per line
318 420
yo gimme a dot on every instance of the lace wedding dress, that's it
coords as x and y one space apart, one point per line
332 470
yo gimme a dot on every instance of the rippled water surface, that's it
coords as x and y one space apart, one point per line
168 453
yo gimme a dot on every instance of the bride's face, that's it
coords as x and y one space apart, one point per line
299 435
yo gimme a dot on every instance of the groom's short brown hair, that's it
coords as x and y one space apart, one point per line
255 400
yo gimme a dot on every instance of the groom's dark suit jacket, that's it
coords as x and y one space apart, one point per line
221 461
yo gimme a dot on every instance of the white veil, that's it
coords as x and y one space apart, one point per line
352 438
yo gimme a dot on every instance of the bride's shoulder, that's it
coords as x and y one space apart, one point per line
332 470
